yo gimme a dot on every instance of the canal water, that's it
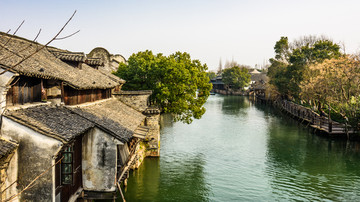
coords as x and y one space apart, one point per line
240 151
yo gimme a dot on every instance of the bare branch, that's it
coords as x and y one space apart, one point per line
68 35
13 33
17 53
37 35
38 50
19 27
8 31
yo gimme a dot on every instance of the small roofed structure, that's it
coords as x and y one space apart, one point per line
111 61
254 71
218 85
258 86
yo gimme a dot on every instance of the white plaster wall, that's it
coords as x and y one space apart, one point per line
5 79
12 175
34 155
99 161
15 131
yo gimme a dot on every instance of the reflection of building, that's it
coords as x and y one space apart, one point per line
74 139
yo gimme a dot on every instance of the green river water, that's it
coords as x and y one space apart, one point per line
240 151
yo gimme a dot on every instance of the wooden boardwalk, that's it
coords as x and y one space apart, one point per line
314 120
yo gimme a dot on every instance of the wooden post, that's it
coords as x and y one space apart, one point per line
329 119
122 195
62 91
43 91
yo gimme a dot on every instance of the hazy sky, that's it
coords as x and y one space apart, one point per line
210 30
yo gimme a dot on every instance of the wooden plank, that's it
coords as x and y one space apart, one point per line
122 195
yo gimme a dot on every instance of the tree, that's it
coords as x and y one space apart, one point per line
180 85
236 77
282 49
211 74
288 68
336 82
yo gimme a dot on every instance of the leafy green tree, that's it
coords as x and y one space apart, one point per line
211 74
236 77
288 68
180 85
282 49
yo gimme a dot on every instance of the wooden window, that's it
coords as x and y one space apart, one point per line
67 166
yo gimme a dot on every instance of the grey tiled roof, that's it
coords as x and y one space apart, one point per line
65 123
112 115
6 147
46 65
57 122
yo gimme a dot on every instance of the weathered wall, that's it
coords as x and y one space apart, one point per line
5 79
99 161
10 174
139 100
153 137
35 152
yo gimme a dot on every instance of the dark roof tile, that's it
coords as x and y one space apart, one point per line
45 65
6 147
120 119
57 122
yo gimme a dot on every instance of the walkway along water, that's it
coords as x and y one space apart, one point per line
319 124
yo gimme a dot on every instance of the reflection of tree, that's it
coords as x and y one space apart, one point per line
299 162
181 179
166 120
184 175
143 184
235 105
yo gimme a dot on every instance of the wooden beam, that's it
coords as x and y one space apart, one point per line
122 195
62 91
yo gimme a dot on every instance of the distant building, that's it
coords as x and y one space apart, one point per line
258 82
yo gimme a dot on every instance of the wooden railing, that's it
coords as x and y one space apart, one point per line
313 119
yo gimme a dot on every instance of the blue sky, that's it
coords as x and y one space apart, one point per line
210 30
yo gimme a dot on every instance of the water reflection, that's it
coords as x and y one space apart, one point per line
239 151
181 179
235 105
302 166
144 183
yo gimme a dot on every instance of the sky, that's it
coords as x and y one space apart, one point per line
209 30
